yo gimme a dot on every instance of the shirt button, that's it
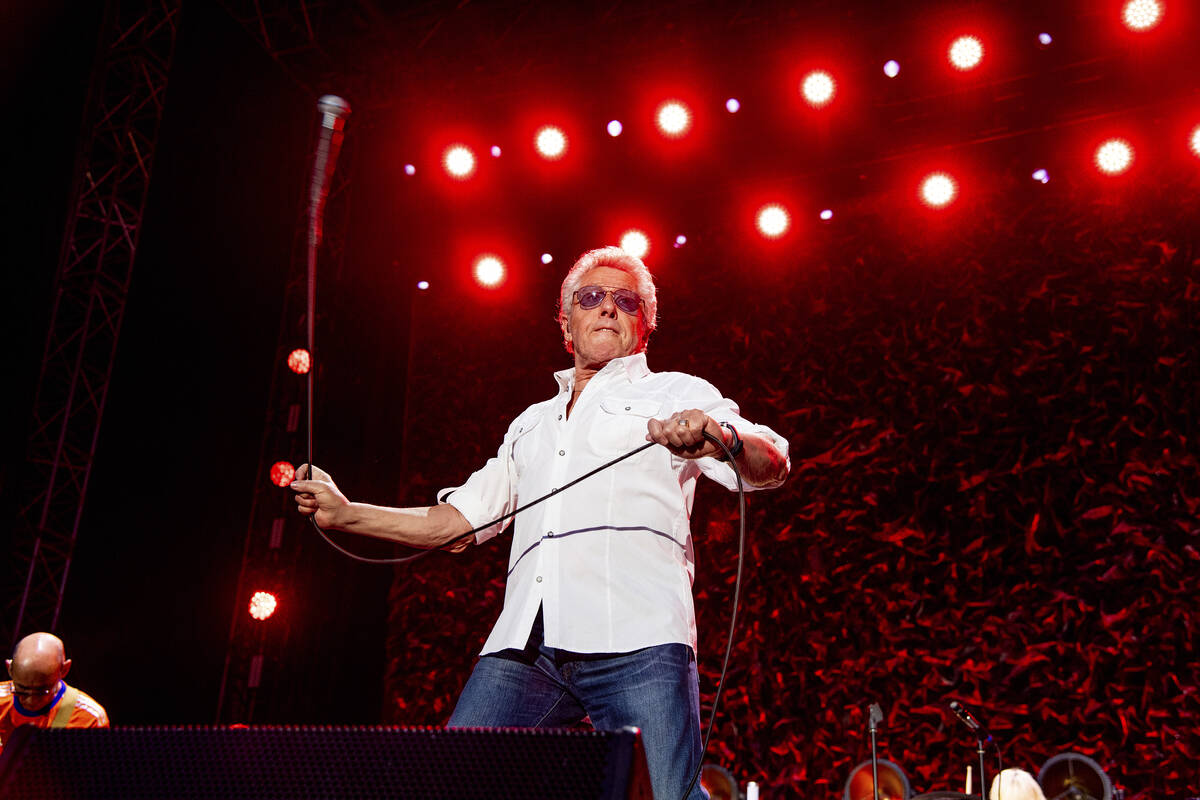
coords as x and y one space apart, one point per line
560 416
562 452
627 408
539 578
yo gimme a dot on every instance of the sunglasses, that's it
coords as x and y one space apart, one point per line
591 296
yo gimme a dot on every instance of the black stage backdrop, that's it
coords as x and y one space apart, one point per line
994 493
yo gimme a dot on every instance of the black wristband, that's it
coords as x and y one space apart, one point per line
737 447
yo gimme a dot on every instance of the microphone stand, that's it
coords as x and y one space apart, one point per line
875 716
983 787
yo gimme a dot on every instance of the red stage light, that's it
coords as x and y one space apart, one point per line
1141 15
818 88
282 473
459 162
551 142
773 220
615 127
489 271
263 605
1195 141
966 52
673 118
1114 156
938 190
635 242
299 361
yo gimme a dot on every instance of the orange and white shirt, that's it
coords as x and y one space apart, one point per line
86 712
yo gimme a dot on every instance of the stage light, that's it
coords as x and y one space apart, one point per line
547 258
1045 39
938 190
459 161
1041 176
551 142
891 69
1141 15
1195 141
818 88
282 473
680 240
262 605
635 242
966 52
299 361
732 105
422 285
773 220
489 271
409 169
827 214
615 127
1114 156
673 118
495 151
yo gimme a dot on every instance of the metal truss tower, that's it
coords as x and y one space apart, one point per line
108 196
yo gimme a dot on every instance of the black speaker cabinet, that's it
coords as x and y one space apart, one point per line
323 762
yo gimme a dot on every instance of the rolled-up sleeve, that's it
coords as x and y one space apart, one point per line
489 493
704 396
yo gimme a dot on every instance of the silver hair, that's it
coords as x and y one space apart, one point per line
616 258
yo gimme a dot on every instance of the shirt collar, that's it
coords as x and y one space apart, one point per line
631 367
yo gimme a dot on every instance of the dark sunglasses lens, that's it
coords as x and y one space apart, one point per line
590 297
626 300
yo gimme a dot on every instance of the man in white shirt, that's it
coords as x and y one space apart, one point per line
598 619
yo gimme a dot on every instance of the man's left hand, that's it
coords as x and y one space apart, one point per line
683 434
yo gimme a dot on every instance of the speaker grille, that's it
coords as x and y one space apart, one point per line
317 762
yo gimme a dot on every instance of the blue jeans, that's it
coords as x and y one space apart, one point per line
656 689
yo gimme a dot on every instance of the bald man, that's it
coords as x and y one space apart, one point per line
38 695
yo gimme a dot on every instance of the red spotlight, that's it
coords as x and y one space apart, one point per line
299 361
966 52
773 220
635 242
673 118
489 271
282 473
1114 156
1195 140
551 142
938 190
262 605
1141 15
459 162
818 88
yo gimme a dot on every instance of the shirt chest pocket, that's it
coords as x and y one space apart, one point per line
620 424
525 445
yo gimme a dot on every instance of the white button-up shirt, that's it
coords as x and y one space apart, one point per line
609 560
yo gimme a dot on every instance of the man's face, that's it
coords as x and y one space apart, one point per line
605 332
35 691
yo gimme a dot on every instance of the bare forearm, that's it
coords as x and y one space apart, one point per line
427 528
760 463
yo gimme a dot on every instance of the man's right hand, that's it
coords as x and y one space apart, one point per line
319 496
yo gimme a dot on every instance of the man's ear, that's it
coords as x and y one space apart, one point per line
66 667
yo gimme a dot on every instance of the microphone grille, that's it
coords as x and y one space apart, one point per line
332 104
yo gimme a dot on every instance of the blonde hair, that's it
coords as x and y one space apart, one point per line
1016 784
